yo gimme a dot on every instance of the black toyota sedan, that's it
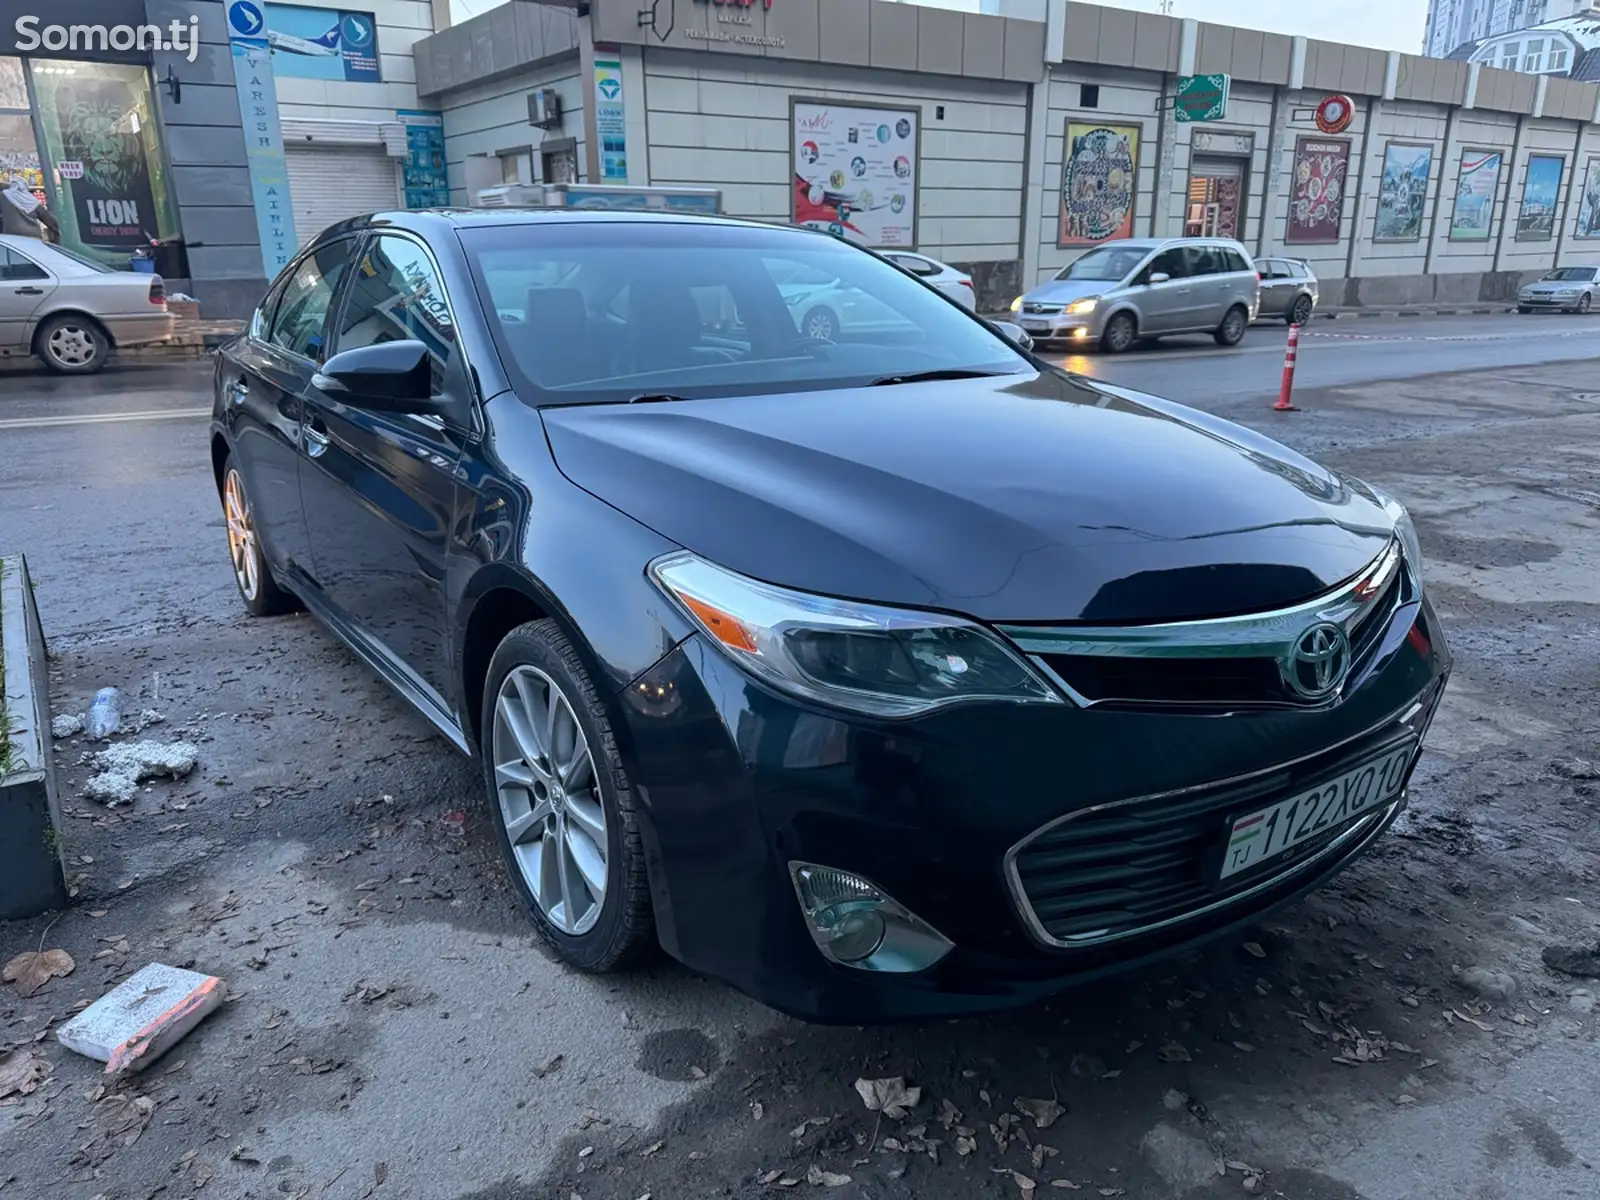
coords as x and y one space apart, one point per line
892 674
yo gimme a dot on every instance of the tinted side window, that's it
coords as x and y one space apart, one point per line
1206 260
1234 261
300 321
396 295
14 266
1173 262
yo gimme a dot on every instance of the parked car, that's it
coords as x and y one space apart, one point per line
885 677
70 310
1288 289
828 308
1571 289
1122 291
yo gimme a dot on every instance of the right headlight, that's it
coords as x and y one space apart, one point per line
1406 530
868 658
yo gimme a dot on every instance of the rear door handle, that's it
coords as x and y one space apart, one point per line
30 291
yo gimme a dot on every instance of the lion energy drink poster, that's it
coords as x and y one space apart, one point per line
99 121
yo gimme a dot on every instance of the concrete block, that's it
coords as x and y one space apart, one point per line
143 1017
32 875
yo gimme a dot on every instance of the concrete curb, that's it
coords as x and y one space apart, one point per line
32 870
1477 311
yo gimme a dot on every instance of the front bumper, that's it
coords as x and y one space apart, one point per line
736 781
1549 300
1063 327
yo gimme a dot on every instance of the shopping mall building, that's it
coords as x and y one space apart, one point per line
1004 142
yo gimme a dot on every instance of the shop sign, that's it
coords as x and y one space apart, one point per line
1335 113
263 136
610 121
1201 98
70 168
426 180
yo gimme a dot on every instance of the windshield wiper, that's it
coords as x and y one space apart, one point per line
934 376
653 398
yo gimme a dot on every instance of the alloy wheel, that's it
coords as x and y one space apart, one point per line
1119 333
71 345
1302 311
241 535
1232 327
821 325
1584 302
549 798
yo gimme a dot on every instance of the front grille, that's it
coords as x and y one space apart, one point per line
1211 683
1131 866
1037 309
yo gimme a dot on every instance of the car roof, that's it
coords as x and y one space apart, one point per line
1154 243
437 220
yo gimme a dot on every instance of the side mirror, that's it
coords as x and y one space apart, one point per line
1158 277
389 377
1015 334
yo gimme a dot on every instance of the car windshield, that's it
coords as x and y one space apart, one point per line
1572 274
619 310
1104 263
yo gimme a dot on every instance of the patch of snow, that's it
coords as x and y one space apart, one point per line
64 725
123 768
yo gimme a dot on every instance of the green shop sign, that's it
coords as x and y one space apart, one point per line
1201 98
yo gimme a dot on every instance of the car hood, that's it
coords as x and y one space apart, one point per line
1031 498
1554 285
1064 291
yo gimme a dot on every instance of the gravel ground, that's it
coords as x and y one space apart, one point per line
394 1030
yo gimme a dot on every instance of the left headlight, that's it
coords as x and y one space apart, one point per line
884 662
1086 305
1016 305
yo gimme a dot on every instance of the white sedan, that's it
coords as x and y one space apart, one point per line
71 310
824 307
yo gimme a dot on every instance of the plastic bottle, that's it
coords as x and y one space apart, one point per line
105 714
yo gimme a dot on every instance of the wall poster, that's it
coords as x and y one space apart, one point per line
855 172
320 43
1541 194
1402 191
423 170
1477 184
611 120
1316 199
1099 183
1589 202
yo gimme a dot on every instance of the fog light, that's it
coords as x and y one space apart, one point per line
1078 333
856 924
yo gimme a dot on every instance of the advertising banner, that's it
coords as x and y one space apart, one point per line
1477 184
1316 199
323 43
426 179
263 137
96 121
1402 191
855 172
610 121
1541 194
1099 181
1589 202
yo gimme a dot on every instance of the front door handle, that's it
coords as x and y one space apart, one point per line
30 291
238 390
316 440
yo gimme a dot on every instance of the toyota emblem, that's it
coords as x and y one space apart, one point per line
1317 666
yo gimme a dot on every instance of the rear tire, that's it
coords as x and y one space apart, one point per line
1231 331
1301 312
257 588
543 720
72 345
1121 332
820 324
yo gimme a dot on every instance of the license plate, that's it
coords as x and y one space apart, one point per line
1035 326
1269 832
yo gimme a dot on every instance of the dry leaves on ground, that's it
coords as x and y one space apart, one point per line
1043 1113
891 1097
1174 1052
32 969
22 1072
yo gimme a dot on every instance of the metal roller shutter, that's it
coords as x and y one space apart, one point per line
330 183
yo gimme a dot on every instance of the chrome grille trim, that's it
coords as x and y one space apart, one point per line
1400 722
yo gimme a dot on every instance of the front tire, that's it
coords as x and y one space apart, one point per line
561 803
1231 331
1584 303
1121 332
257 588
72 345
1524 309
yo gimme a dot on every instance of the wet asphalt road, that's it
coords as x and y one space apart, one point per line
329 859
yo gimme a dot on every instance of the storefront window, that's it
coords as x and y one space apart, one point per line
13 91
103 150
